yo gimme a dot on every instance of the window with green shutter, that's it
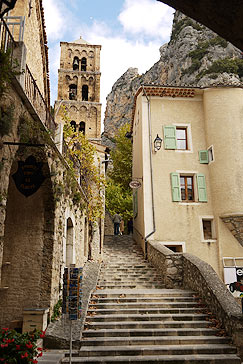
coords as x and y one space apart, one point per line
175 186
201 186
203 156
170 137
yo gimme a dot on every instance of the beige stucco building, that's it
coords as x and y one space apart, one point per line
191 194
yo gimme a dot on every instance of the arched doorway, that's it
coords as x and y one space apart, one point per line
27 243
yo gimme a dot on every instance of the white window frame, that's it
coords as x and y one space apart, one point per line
212 148
208 218
167 244
194 175
188 135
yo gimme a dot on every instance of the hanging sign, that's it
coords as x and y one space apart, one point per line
29 176
135 184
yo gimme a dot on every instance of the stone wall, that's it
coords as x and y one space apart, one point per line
187 271
109 226
33 230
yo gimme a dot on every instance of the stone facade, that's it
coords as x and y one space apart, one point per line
79 86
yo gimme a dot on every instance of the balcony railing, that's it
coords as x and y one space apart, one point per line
38 102
30 87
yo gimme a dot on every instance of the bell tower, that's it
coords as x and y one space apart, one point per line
79 86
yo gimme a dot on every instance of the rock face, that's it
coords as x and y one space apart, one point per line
195 56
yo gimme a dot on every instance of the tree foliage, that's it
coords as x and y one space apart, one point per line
85 165
122 158
118 192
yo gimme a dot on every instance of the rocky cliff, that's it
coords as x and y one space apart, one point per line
195 56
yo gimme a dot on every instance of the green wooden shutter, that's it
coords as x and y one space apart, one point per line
175 186
135 203
203 156
201 186
170 137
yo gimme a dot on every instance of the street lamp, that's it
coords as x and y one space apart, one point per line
5 6
157 143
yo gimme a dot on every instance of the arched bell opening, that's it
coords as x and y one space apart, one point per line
85 92
75 64
84 64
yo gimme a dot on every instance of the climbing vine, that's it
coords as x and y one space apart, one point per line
85 165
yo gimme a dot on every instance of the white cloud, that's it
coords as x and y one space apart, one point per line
54 19
146 16
118 54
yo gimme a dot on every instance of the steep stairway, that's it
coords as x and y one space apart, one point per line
132 318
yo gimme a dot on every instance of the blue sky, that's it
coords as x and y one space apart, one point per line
129 31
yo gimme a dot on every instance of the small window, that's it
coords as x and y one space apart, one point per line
85 93
187 190
210 154
83 64
73 125
73 92
207 229
181 138
82 127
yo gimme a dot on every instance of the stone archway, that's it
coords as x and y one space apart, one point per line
27 249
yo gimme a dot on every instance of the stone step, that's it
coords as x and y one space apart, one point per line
131 286
150 300
156 350
144 311
190 331
146 325
162 359
152 317
154 340
128 305
114 279
131 293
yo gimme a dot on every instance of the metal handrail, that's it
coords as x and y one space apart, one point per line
37 100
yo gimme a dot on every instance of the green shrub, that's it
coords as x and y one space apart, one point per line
228 65
182 24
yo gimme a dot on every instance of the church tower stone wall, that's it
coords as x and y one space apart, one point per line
79 86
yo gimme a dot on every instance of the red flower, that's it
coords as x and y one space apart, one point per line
17 347
29 345
25 355
40 354
4 345
10 341
42 334
5 328
34 361
40 349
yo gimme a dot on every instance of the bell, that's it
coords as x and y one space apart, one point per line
75 63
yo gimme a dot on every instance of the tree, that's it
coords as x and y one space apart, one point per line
122 158
118 192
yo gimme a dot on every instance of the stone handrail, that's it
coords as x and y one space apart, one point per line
183 270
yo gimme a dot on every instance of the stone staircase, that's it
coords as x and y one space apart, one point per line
132 318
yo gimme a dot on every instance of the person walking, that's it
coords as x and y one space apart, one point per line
130 226
116 220
121 227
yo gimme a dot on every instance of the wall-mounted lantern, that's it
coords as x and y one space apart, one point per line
157 143
5 6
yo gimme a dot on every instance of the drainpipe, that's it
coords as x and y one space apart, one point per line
151 176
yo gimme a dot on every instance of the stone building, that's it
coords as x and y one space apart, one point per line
79 86
190 199
43 217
